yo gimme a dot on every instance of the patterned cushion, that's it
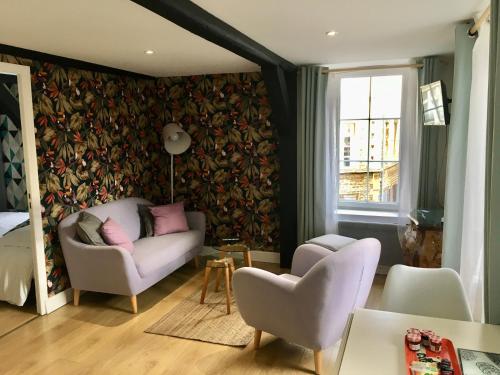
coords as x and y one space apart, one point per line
87 229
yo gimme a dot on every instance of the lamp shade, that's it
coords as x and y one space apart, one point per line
175 140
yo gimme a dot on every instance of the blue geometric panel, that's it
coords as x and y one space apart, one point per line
13 164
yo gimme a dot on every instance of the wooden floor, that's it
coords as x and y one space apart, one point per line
102 337
12 317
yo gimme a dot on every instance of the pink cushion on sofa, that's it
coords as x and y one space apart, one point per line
114 234
169 218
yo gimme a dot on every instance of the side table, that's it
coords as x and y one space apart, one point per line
226 264
236 248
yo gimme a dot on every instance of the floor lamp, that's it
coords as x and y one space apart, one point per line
176 141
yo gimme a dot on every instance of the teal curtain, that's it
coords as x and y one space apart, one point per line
311 109
433 151
492 198
457 148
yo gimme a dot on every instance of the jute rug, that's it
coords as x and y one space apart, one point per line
208 322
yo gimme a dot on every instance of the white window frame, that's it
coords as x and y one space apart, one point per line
369 206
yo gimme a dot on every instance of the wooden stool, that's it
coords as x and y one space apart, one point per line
236 248
226 264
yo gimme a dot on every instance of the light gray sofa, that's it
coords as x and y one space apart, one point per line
112 269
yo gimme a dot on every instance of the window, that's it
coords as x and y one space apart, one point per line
369 132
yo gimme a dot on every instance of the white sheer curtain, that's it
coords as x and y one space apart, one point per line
409 154
472 252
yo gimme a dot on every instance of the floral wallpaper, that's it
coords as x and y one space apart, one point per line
231 170
98 139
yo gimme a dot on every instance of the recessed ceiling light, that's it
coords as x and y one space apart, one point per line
331 33
149 52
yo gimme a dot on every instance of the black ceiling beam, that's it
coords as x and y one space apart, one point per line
66 61
280 77
197 20
9 105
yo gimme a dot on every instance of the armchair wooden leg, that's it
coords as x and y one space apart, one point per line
256 339
197 261
76 296
318 361
133 303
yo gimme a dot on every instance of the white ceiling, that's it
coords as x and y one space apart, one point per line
367 29
116 32
113 33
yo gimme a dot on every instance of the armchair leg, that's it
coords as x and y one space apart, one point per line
76 297
256 339
197 261
318 361
133 303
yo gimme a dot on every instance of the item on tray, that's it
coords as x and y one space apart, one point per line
426 333
414 341
435 343
421 368
413 330
429 354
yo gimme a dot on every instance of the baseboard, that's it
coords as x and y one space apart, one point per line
383 270
59 300
257 255
265 256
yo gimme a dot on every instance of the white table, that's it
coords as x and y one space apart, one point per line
373 340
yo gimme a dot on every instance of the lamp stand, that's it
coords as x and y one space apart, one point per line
172 177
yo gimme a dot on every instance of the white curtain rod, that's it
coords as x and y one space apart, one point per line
477 25
372 67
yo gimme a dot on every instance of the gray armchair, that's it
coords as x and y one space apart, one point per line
310 306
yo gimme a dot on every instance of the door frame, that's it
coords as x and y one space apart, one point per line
32 184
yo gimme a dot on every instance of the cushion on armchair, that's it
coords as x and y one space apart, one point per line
332 242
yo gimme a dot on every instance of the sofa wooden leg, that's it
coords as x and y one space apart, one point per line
76 296
318 361
256 339
197 262
133 303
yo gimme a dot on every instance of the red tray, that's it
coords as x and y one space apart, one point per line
447 352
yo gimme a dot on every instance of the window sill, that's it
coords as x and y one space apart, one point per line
367 216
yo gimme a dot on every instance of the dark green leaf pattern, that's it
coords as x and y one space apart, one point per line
98 139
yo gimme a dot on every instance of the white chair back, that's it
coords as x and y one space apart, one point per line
436 292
